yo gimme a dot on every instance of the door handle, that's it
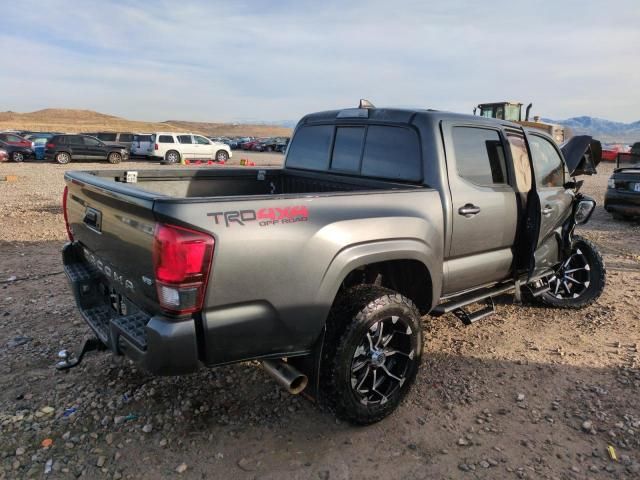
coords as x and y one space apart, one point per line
547 210
469 210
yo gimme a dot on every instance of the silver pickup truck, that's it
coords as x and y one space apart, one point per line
321 270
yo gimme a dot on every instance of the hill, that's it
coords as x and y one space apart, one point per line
606 131
71 120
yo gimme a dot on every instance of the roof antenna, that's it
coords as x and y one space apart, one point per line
364 103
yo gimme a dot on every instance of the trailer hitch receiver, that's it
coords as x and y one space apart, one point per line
66 361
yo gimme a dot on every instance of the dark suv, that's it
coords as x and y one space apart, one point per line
64 148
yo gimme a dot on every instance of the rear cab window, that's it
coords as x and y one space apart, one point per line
370 150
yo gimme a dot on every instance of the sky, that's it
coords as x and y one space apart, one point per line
277 60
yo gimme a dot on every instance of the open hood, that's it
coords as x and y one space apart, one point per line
582 154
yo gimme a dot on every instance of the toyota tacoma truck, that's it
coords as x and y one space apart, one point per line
321 270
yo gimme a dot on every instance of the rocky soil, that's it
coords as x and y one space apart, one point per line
529 393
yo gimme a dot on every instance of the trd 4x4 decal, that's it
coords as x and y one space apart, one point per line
264 216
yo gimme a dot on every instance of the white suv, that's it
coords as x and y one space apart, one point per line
176 147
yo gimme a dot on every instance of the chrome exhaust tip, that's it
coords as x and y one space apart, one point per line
286 375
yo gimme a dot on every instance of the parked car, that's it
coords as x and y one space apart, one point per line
65 148
14 139
172 147
114 138
141 144
16 153
635 149
4 155
378 217
622 197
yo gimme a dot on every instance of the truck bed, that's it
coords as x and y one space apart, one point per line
208 183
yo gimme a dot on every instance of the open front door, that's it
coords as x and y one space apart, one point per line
529 210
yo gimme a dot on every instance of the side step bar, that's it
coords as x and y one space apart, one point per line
470 317
457 303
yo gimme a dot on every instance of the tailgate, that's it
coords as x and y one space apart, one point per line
114 226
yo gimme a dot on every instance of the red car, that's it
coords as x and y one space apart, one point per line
4 156
17 140
610 153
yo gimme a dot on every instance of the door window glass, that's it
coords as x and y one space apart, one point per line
91 142
521 161
547 163
126 137
165 139
75 140
201 140
479 155
184 139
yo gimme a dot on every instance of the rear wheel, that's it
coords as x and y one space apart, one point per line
222 156
579 280
17 157
371 353
114 157
172 157
63 158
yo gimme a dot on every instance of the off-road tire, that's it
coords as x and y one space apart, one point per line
222 156
597 278
63 158
352 315
172 157
17 157
114 158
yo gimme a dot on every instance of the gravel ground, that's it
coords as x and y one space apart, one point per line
527 393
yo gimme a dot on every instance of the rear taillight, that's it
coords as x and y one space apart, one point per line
51 146
155 147
182 260
65 194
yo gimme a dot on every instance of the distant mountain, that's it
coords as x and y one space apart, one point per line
73 120
606 131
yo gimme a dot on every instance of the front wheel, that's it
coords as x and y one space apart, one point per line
580 280
115 158
371 353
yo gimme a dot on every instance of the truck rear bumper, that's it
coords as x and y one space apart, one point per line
161 345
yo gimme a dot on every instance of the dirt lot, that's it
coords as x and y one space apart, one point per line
528 393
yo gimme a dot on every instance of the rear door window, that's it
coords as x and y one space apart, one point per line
185 139
75 140
480 156
165 139
347 149
392 152
107 137
310 147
